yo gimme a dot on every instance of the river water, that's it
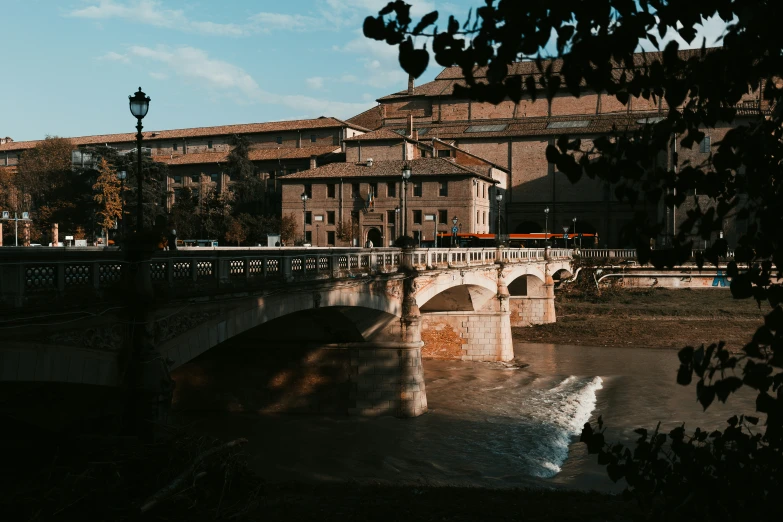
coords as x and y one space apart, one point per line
489 424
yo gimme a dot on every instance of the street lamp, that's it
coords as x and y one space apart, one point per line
139 105
565 235
396 225
304 216
546 225
406 175
498 198
580 239
454 231
122 175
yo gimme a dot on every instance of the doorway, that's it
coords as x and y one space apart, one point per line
374 235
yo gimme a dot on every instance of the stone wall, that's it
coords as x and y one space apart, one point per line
527 311
483 336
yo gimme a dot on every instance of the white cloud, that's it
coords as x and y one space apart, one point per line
152 12
159 75
271 21
114 57
196 66
380 63
316 83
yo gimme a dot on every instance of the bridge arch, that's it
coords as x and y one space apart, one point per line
252 312
477 284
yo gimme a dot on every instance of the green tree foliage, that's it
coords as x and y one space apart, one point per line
184 215
248 189
737 472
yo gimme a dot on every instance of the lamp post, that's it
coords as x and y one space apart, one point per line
580 239
565 235
546 226
454 231
396 223
304 217
498 198
122 175
139 105
406 175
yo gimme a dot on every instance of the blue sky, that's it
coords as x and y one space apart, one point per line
69 65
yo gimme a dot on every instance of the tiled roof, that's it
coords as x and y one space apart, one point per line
389 168
371 118
384 133
444 83
223 130
253 154
588 124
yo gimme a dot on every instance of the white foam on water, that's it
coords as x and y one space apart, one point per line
560 413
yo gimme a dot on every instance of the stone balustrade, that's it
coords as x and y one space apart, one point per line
30 276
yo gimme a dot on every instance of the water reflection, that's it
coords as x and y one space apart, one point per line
490 424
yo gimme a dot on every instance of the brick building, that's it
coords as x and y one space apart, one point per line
515 136
199 154
361 199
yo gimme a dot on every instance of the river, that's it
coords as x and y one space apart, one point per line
489 424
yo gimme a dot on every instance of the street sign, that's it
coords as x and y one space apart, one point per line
6 214
565 236
454 230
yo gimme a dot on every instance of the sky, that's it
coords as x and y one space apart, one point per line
69 65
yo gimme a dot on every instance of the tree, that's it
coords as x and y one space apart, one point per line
184 214
248 189
108 197
343 232
235 231
730 473
288 229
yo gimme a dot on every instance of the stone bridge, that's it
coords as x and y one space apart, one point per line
64 314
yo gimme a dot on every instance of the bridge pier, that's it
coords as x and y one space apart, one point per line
386 376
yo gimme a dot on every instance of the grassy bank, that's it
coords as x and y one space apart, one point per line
654 318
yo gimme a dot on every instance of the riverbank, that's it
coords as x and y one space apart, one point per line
650 318
110 479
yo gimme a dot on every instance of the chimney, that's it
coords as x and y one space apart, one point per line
409 128
415 135
5 140
313 162
411 87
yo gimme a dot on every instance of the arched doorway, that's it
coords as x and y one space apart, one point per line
374 235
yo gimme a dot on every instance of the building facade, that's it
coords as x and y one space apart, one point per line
354 202
515 136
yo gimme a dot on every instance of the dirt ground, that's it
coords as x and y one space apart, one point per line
656 318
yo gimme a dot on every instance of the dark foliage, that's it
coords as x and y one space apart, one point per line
728 474
405 242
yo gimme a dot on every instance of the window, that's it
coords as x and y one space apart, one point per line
477 189
175 146
214 178
483 191
478 215
313 138
391 217
443 189
417 217
444 153
209 144
308 218
576 124
355 190
374 189
330 238
486 128
279 140
704 146
308 189
443 216
483 218
195 178
176 179
417 189
177 194
330 217
391 189
309 237
330 190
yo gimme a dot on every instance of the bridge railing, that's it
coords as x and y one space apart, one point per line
626 253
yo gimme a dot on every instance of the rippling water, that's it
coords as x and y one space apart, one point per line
489 424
